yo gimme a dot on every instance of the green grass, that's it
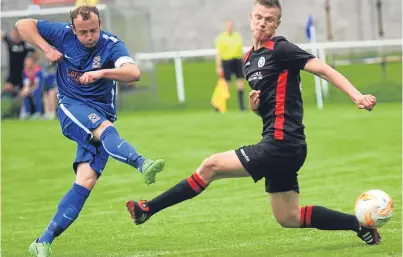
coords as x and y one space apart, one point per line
349 151
200 80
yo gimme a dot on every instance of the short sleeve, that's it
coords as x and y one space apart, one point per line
120 55
291 56
6 39
53 32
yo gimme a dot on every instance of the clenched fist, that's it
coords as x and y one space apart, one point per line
254 100
366 102
91 76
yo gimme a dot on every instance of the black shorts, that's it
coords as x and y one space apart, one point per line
233 66
276 161
15 80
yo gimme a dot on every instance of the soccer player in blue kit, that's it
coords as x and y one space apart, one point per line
89 61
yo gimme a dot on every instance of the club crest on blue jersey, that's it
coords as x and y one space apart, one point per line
93 117
96 63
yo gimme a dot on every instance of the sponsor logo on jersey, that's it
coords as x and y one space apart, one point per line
75 75
244 155
256 76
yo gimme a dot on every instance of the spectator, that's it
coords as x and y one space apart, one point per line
17 51
229 46
49 93
32 90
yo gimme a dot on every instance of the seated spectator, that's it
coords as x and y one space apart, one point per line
17 51
32 90
49 93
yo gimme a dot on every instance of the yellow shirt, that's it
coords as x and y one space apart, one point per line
82 2
229 46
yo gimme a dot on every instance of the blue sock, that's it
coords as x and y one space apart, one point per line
120 149
67 211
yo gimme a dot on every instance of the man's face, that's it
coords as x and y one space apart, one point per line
229 26
264 21
87 31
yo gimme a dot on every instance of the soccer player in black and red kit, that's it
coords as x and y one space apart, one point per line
272 68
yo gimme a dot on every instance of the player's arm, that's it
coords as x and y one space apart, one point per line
127 73
218 64
5 38
293 57
218 61
321 69
28 29
29 32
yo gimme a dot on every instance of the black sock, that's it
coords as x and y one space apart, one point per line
184 190
240 99
325 219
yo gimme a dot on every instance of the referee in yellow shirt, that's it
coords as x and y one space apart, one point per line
229 46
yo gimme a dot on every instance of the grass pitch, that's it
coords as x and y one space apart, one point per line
349 151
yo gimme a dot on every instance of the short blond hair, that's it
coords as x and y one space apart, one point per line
85 12
270 3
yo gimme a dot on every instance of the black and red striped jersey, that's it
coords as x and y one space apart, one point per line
275 70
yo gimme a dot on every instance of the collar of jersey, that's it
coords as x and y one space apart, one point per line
262 48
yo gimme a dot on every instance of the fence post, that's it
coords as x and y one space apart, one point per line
180 87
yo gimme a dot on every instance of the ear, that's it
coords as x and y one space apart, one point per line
278 24
73 29
100 22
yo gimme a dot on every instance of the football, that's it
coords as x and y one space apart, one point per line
373 208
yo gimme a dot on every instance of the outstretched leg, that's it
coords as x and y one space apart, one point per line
123 151
289 214
222 165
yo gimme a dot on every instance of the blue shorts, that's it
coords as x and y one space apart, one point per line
77 120
49 82
47 86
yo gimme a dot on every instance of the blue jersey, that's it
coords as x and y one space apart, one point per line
109 52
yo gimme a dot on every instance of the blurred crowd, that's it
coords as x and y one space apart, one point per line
29 90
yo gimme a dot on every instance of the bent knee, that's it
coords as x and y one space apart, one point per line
103 126
86 176
209 167
88 183
212 163
100 129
